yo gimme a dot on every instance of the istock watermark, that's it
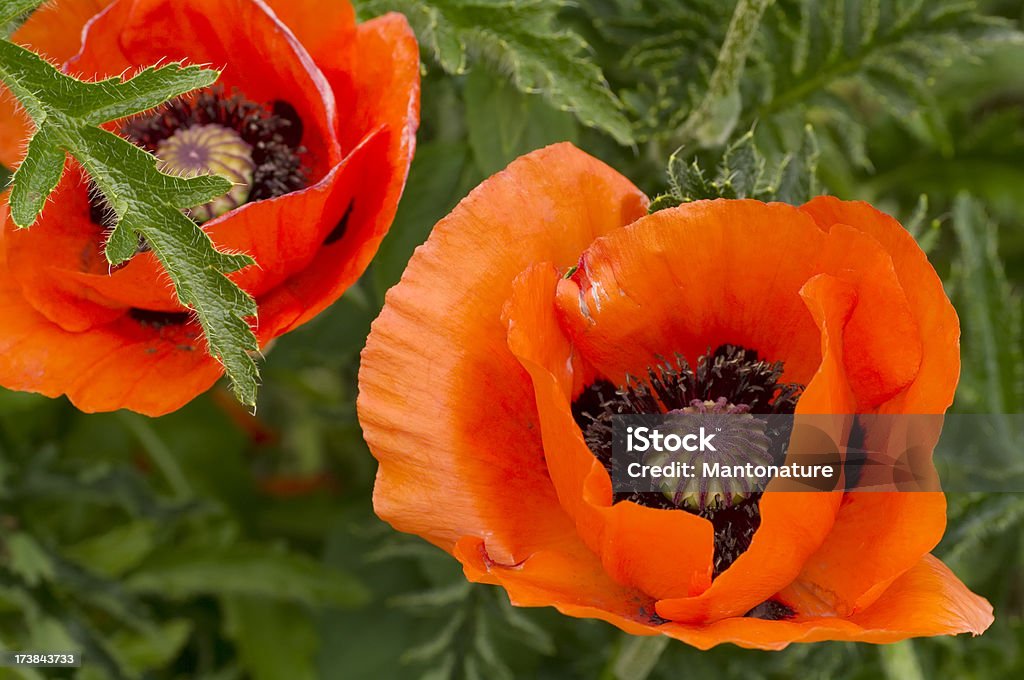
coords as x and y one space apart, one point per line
708 459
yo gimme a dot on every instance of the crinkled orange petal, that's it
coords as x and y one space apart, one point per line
928 599
322 27
445 407
877 537
118 364
54 31
37 355
262 59
939 371
842 578
386 103
565 575
663 554
710 272
689 278
62 239
629 303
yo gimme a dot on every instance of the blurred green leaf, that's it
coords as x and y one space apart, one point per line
117 551
899 661
868 55
27 559
245 569
503 124
638 656
274 639
153 649
993 337
519 37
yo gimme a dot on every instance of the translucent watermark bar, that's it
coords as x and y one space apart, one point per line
695 458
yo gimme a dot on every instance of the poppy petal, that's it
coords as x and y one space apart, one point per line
902 525
935 383
876 538
387 101
663 554
450 417
168 366
565 575
926 600
38 264
644 292
324 29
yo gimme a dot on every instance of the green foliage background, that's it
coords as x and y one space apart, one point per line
167 549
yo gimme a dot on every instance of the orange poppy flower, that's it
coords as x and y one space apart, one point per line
314 117
484 378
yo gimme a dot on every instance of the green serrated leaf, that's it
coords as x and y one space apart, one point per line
661 202
797 183
885 52
686 180
122 244
993 324
111 99
11 11
741 167
36 177
147 203
521 38
743 173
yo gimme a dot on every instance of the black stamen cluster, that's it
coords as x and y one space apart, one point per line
274 133
731 372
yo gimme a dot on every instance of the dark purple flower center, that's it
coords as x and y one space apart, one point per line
257 147
727 382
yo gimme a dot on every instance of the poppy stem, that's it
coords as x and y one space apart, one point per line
713 120
899 661
159 453
637 657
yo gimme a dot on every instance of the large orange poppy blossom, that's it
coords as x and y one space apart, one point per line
314 117
549 285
